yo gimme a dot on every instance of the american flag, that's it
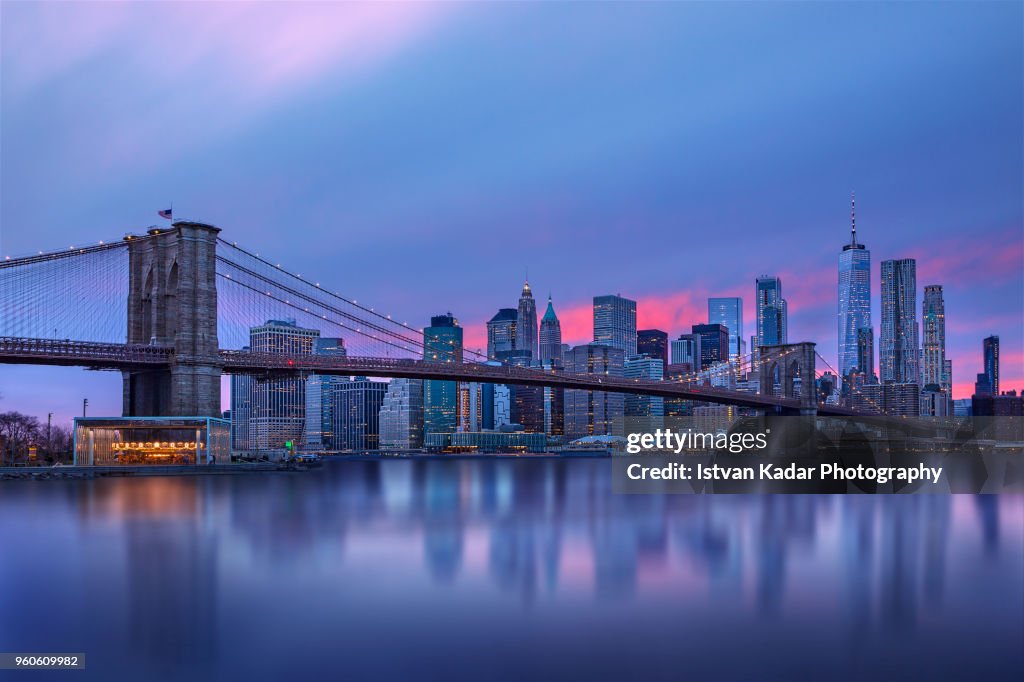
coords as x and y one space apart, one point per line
165 214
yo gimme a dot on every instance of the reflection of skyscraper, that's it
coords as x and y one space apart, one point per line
898 345
550 337
854 297
615 323
728 312
442 342
772 312
526 323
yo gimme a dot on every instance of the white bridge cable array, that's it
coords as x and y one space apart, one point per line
80 293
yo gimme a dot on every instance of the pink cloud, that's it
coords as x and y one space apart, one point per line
191 73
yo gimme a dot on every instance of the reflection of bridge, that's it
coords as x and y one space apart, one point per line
183 292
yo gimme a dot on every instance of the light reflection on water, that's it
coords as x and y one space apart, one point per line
477 569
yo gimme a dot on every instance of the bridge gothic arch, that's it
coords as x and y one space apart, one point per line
782 365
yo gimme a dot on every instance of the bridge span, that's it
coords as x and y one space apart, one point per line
136 357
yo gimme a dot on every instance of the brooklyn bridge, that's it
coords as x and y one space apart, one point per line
171 310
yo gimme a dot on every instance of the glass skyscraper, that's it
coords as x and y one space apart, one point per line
442 342
898 345
729 313
501 332
854 297
615 323
594 413
772 312
714 344
653 343
990 346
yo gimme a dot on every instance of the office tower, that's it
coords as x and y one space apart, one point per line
241 410
686 351
653 343
772 313
471 406
990 348
319 433
714 343
646 413
866 354
401 415
527 406
854 296
554 411
278 406
442 342
933 357
898 346
729 313
356 413
550 337
593 413
501 332
615 323
526 323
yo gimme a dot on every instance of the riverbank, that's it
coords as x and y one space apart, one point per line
80 472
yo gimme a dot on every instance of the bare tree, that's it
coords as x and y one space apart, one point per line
17 432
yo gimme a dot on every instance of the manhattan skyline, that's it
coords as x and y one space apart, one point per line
668 153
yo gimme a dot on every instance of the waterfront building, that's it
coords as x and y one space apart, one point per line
486 442
501 332
442 342
241 410
728 312
590 413
278 406
356 414
935 402
526 323
319 425
772 312
401 415
898 345
854 297
112 441
615 323
550 337
714 343
653 343
528 407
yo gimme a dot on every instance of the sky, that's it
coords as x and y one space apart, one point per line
423 157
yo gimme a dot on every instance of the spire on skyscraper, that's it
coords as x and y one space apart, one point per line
853 219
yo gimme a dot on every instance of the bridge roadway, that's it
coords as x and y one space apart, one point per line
117 356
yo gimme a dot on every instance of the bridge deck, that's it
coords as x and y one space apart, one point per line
130 356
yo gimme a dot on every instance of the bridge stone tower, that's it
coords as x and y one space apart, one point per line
172 301
790 360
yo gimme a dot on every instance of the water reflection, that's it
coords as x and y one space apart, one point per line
185 576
